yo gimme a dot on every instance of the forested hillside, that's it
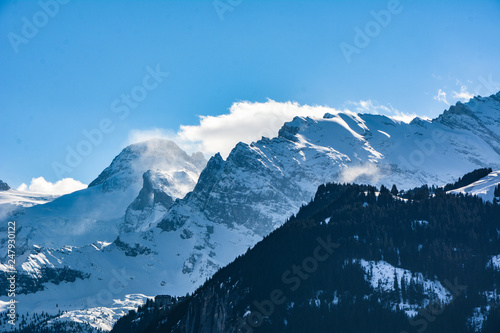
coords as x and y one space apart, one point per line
356 259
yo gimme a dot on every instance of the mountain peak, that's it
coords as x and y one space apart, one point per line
153 146
128 167
291 128
460 109
478 114
4 186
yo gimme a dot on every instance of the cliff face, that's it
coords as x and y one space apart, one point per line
209 312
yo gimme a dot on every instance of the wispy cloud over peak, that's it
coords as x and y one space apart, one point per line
463 94
369 106
441 97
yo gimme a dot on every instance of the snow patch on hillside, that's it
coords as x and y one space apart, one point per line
103 318
480 314
381 275
494 262
483 188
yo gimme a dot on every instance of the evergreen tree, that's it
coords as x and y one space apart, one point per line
403 288
394 190
396 287
384 196
384 189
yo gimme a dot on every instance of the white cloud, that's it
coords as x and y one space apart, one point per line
245 122
63 186
441 97
153 133
248 122
368 172
372 107
463 94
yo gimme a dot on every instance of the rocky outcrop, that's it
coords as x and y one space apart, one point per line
4 186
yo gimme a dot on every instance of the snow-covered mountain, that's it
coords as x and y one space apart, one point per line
262 183
72 242
97 213
128 167
149 225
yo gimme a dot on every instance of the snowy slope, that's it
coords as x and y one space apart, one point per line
137 266
484 188
11 200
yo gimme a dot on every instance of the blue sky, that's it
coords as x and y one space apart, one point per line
63 78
